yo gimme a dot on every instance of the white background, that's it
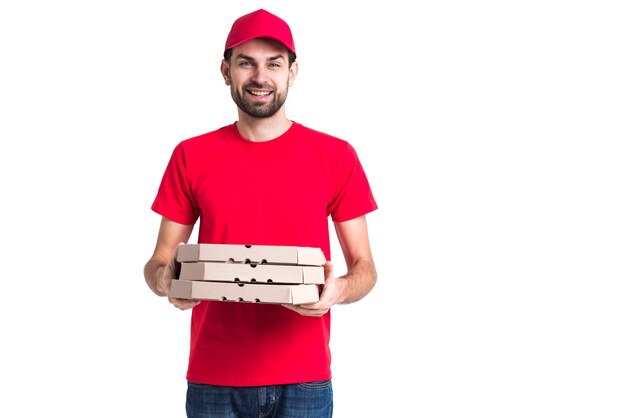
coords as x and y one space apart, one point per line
493 136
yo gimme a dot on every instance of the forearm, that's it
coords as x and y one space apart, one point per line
357 282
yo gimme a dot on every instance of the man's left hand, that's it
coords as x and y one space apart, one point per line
328 297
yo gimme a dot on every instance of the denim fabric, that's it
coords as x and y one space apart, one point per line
301 400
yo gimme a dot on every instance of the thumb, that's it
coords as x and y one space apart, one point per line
328 270
174 263
175 255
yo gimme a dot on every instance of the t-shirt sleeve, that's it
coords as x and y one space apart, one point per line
353 196
175 199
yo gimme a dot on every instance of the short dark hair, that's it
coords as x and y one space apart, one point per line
229 53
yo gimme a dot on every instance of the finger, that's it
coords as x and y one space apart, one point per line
311 306
183 303
188 305
296 308
173 264
175 254
306 311
328 270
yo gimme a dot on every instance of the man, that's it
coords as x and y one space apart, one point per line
264 180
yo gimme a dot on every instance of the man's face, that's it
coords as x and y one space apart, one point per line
259 76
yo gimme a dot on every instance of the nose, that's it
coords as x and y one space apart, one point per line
260 75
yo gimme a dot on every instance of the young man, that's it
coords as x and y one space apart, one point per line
264 180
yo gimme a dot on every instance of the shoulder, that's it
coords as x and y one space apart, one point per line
324 140
207 139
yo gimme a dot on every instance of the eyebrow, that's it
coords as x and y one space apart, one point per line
249 58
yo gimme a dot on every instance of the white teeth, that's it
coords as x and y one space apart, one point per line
259 93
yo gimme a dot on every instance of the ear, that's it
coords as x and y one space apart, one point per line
225 70
293 72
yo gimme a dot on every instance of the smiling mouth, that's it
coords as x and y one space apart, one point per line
259 93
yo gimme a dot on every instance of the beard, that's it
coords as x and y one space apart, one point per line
258 110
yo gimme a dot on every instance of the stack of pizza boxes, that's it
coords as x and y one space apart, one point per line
249 273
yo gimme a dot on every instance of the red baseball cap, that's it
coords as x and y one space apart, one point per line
260 24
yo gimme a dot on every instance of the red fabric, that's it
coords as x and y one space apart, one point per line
259 24
278 192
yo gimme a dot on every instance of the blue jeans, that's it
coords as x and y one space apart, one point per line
301 400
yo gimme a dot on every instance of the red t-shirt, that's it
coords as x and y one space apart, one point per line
278 192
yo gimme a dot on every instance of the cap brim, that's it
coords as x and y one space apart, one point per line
273 38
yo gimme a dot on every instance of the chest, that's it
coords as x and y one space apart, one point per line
231 185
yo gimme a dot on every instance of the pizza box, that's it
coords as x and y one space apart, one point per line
259 254
245 292
243 272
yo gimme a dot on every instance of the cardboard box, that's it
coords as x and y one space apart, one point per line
251 273
260 254
245 292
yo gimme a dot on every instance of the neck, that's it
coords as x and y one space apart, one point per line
265 129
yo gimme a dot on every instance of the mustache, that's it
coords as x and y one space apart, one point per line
258 86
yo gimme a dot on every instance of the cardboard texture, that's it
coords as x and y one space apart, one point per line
245 292
240 272
260 254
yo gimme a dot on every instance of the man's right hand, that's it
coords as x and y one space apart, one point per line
183 304
164 283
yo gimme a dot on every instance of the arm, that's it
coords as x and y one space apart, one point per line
360 278
355 244
159 270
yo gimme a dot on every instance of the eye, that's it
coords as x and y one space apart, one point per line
245 63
